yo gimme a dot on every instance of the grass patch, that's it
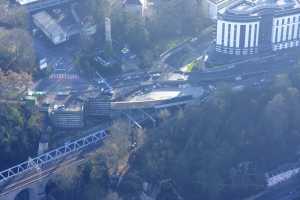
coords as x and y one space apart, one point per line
191 66
167 44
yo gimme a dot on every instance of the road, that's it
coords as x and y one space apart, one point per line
286 191
251 73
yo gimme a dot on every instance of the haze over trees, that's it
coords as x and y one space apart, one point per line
219 150
13 84
208 151
16 46
92 179
16 50
212 151
19 127
12 17
165 23
19 134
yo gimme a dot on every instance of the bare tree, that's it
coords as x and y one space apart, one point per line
115 149
16 50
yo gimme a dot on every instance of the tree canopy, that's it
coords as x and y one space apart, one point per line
212 151
19 134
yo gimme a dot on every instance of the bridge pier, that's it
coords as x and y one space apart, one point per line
36 173
34 191
10 196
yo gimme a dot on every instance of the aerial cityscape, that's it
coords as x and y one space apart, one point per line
149 99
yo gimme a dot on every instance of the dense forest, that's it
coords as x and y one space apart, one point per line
222 149
19 134
19 126
218 150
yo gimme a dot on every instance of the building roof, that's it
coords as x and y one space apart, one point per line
25 2
218 1
255 7
49 24
132 2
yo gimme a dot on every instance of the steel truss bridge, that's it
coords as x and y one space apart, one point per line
54 155
40 162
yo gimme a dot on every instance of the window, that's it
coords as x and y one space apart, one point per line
298 31
234 37
255 34
281 36
242 36
287 33
293 31
223 33
276 35
228 36
250 35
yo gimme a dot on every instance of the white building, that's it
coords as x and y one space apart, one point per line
251 27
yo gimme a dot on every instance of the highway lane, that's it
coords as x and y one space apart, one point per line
202 77
241 70
286 191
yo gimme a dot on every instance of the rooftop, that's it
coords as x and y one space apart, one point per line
25 2
253 7
72 105
132 2
49 23
218 1
166 93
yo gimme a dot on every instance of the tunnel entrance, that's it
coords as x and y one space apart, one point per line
23 195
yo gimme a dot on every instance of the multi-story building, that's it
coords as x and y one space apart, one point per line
251 27
71 116
98 106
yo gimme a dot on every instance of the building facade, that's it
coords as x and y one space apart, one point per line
251 27
99 106
67 117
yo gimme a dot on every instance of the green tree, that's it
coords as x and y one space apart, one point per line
19 139
16 50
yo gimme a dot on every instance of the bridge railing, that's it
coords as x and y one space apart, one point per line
55 154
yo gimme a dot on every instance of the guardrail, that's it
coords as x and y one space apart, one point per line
53 155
